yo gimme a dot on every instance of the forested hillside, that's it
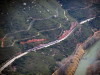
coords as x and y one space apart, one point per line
25 20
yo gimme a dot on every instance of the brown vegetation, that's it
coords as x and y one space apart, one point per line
94 68
74 63
98 55
68 65
91 40
63 65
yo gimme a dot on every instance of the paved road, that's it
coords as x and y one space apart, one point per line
42 46
82 22
12 60
34 49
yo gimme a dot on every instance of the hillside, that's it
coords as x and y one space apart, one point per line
69 64
35 20
25 21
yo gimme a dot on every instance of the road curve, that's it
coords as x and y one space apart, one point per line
31 23
42 46
34 49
